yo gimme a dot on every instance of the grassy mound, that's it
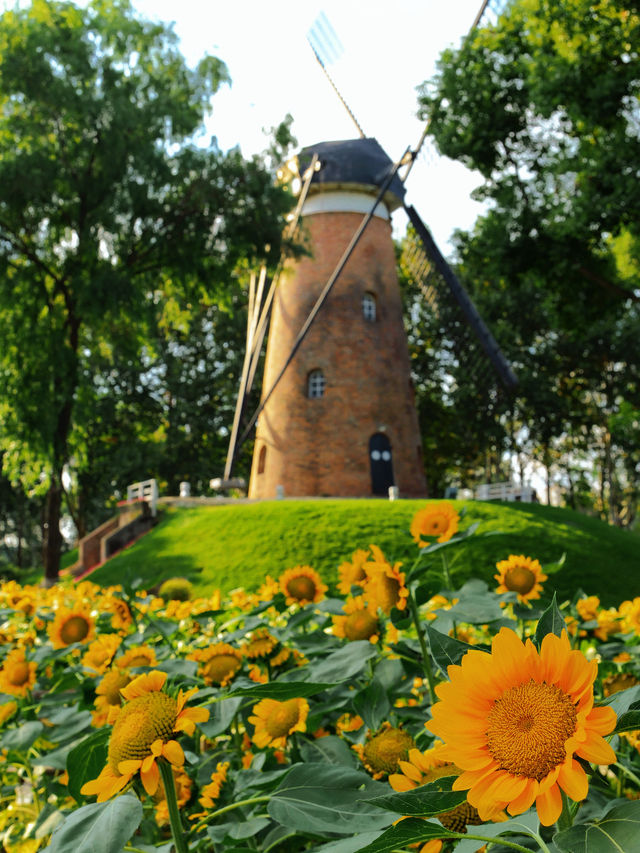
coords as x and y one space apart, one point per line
233 545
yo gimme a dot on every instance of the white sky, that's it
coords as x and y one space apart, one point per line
389 48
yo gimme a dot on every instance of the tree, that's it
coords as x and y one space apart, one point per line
545 105
111 213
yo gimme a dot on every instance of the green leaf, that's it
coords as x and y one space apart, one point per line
220 716
317 798
623 700
348 845
628 722
372 704
329 749
476 609
281 690
551 622
99 827
413 830
447 650
248 827
23 737
343 663
426 801
616 832
86 760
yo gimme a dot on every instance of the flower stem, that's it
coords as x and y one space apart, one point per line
238 804
177 830
426 656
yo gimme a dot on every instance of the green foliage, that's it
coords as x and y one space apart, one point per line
544 105
116 226
224 546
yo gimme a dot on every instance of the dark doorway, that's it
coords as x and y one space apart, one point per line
381 464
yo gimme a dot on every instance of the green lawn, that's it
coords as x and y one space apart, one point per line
236 545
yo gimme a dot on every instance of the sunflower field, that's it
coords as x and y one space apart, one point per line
396 712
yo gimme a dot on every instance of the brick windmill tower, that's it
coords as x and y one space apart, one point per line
340 419
337 416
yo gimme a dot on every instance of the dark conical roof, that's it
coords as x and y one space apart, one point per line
351 164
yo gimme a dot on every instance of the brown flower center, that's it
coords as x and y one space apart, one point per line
283 719
301 588
434 525
459 818
528 728
140 660
360 625
18 674
383 752
141 721
520 579
112 684
74 630
387 592
220 668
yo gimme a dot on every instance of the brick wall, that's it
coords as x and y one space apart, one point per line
321 446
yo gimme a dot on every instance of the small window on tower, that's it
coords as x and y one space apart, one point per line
369 307
262 458
315 384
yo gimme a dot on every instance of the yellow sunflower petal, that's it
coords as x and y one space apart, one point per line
549 806
573 780
173 752
151 778
148 682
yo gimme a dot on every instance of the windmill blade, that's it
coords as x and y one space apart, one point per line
259 309
327 48
440 284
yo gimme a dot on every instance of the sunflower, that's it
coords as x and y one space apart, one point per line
587 607
108 699
349 723
384 587
630 613
617 682
269 589
383 749
7 710
420 768
513 719
144 732
70 626
521 575
218 663
121 618
353 573
211 792
609 622
302 585
436 521
18 675
100 653
359 622
274 721
136 656
260 645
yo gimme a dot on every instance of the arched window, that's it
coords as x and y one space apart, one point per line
369 307
262 458
315 384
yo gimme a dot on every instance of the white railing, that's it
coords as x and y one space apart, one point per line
504 492
145 490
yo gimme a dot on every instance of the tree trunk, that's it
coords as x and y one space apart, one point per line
52 538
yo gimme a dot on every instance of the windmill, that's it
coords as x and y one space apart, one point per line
336 415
